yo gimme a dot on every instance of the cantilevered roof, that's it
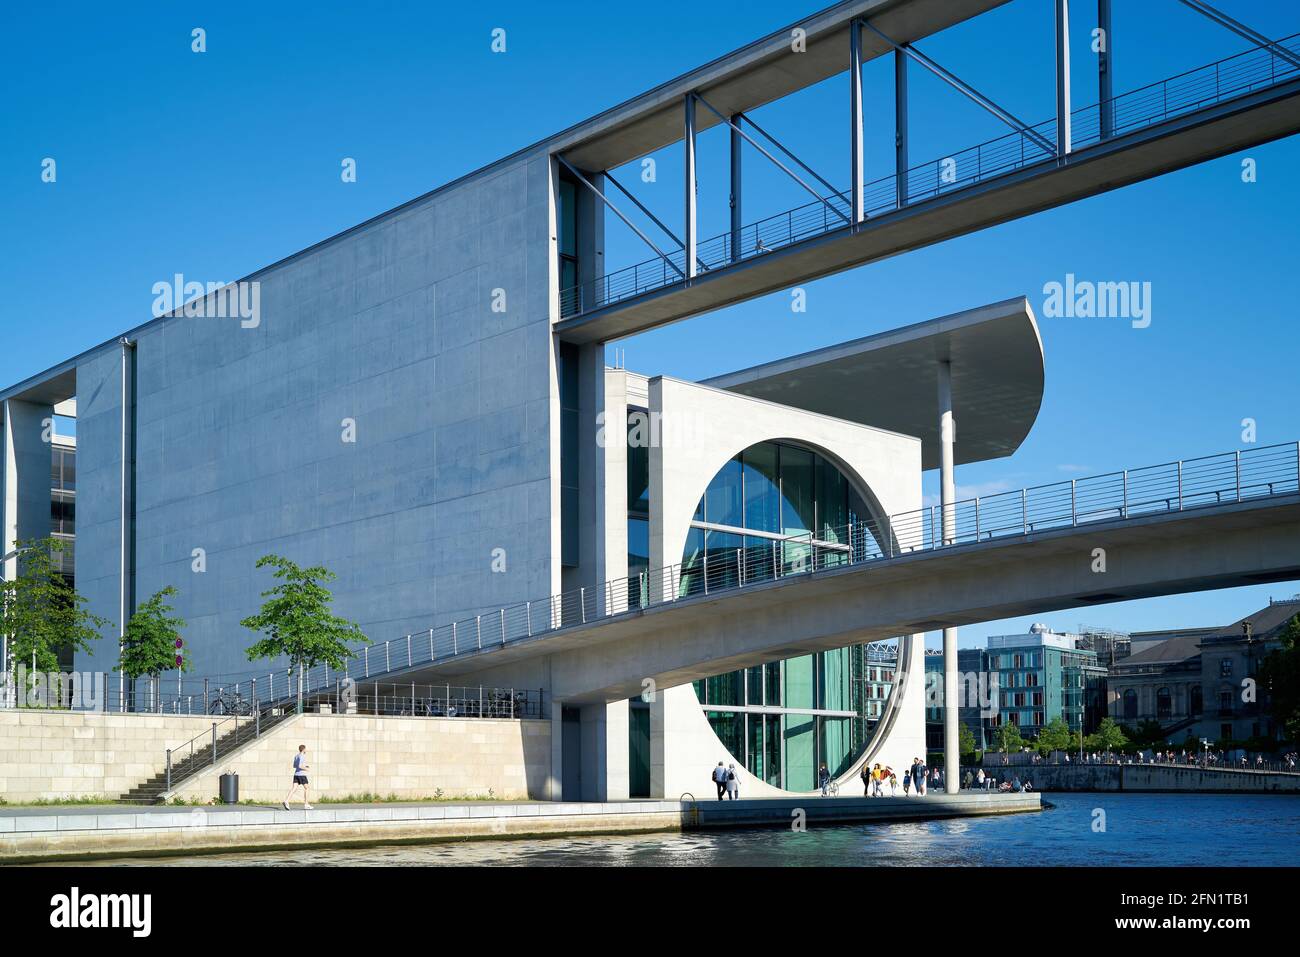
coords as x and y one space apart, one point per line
889 380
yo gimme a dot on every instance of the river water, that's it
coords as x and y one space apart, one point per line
1082 829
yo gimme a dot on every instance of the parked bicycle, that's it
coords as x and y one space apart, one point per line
229 703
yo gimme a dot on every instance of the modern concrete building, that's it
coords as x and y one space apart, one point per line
422 403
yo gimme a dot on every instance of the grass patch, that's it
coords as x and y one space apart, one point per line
60 801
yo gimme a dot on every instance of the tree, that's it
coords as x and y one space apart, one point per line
1279 677
1007 736
965 740
1108 737
149 644
40 612
1056 736
298 622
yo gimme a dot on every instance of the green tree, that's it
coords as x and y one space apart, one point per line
1056 736
298 622
40 612
965 740
1279 677
1108 737
1007 737
149 644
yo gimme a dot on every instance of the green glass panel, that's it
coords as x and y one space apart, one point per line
755 755
797 490
799 683
638 752
730 729
772 725
762 488
722 502
800 752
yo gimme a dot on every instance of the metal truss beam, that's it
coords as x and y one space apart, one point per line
785 169
900 127
691 194
1239 28
1062 78
967 90
855 128
1105 79
619 213
641 206
737 217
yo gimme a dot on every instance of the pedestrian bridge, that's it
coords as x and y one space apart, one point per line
1213 522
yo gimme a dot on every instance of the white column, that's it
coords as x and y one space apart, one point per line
947 498
689 227
1063 77
555 780
855 118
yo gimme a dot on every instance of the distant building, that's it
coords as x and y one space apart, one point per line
1039 677
1198 683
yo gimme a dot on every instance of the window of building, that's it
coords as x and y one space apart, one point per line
1130 704
1164 703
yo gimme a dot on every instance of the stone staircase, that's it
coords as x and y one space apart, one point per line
201 756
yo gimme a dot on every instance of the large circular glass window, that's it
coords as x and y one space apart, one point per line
771 511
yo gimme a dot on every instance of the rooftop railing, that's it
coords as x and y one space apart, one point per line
1167 99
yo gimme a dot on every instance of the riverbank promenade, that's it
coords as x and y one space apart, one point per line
37 834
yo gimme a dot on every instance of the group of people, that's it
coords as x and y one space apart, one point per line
987 782
727 781
874 779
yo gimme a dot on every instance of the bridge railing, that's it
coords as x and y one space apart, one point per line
1130 112
718 569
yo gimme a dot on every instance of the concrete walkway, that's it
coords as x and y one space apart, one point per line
86 831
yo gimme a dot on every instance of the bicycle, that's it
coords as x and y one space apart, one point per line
229 703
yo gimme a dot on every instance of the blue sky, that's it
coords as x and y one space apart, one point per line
216 164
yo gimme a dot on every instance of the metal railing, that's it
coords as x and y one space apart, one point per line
1188 484
1138 109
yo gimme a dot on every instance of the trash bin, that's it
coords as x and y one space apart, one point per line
229 784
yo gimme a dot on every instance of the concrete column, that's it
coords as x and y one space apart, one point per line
26 479
605 751
948 519
555 780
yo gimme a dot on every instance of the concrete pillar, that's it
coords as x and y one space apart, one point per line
555 780
947 500
605 751
26 478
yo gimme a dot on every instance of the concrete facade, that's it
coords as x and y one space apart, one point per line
425 335
59 755
407 758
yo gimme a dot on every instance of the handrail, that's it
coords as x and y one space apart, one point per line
1127 495
1180 94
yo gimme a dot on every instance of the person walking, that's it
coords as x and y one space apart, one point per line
300 767
979 779
733 783
824 780
893 782
866 774
918 776
907 782
720 779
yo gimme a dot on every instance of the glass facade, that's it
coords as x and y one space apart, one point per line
785 718
63 503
